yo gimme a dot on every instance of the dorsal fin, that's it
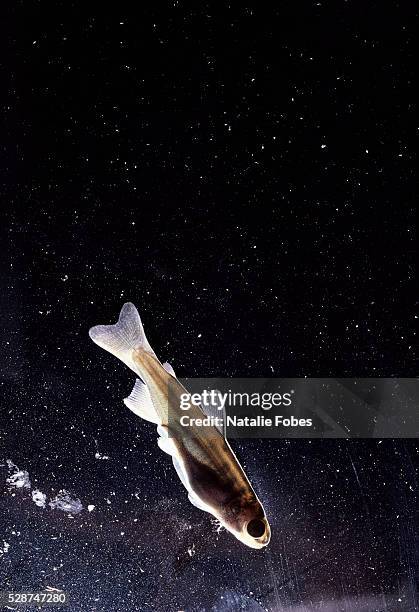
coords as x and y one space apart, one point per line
169 369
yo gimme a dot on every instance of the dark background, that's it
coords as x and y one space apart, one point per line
244 174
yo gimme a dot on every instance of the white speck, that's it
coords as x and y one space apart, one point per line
100 456
90 507
218 526
5 548
323 146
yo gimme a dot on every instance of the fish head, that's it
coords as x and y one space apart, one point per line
247 522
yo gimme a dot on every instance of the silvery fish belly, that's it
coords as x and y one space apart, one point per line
202 457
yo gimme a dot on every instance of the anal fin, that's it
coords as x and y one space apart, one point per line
140 402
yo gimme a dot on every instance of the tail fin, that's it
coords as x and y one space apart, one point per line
120 339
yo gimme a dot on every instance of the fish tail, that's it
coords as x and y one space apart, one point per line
123 337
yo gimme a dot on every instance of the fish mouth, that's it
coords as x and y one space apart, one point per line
259 531
256 528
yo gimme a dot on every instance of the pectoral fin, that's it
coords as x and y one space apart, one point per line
195 501
167 445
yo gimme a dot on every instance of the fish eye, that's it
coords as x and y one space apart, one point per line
256 528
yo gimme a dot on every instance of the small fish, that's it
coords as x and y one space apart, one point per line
202 457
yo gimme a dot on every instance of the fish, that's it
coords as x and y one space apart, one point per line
202 457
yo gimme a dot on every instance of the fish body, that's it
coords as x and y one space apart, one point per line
202 457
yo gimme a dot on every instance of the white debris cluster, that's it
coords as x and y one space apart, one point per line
64 501
19 479
39 498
